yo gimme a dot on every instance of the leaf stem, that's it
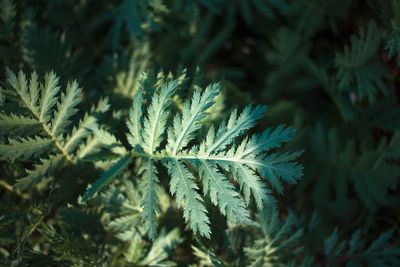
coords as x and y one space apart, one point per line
47 130
5 185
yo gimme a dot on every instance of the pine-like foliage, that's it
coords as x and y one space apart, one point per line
36 118
220 155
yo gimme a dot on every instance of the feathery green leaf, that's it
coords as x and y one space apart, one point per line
36 175
359 67
154 124
193 112
183 187
25 148
65 109
150 199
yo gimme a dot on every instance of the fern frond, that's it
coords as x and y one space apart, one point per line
223 194
217 157
47 123
20 84
88 148
193 112
134 122
281 166
183 187
279 243
36 175
208 257
89 122
124 223
109 142
25 148
228 131
1 96
359 67
123 200
382 252
367 168
48 96
330 246
13 124
150 199
252 185
154 124
67 247
65 109
270 138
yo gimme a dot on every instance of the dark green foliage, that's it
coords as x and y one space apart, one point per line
279 243
393 44
368 170
131 17
359 66
137 133
380 252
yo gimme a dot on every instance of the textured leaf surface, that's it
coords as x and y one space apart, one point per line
25 148
222 155
182 185
65 109
154 124
18 124
150 200
193 112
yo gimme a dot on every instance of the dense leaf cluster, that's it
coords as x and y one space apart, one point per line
199 133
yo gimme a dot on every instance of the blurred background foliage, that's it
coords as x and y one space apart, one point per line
328 68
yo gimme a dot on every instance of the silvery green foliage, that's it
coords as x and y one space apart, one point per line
37 120
223 153
123 204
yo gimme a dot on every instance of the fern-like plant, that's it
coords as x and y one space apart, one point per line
280 243
380 252
37 130
123 202
218 157
369 170
359 67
